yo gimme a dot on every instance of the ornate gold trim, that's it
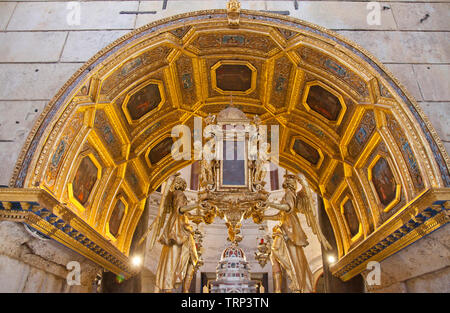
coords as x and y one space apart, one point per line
428 212
41 211
338 121
233 62
34 157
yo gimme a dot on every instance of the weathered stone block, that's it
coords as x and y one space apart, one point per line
395 288
13 274
52 284
177 7
14 129
409 262
403 47
335 14
405 74
10 153
34 281
439 114
433 282
46 259
20 118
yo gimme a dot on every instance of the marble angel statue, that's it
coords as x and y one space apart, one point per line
289 239
171 228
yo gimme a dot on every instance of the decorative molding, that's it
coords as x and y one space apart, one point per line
418 218
40 211
150 53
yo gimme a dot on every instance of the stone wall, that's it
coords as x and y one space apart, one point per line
39 50
214 242
29 264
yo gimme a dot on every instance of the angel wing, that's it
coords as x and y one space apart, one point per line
158 223
305 206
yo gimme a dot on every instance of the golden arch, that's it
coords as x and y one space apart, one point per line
304 53
342 109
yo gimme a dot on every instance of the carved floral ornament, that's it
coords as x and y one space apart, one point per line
347 137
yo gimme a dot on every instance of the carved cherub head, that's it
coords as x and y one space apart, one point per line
178 183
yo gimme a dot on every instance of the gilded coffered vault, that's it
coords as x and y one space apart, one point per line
102 145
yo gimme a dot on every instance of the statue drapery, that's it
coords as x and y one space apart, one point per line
289 239
179 254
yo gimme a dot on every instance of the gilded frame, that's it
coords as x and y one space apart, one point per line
358 235
137 89
233 62
122 222
70 194
297 156
398 186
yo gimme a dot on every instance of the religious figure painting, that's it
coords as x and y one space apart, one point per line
306 151
186 80
384 181
233 77
350 217
130 66
335 179
104 128
233 40
361 135
323 102
133 179
116 218
233 164
56 161
409 155
335 67
280 83
108 134
158 152
143 101
84 180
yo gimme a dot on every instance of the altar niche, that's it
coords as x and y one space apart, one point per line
234 164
